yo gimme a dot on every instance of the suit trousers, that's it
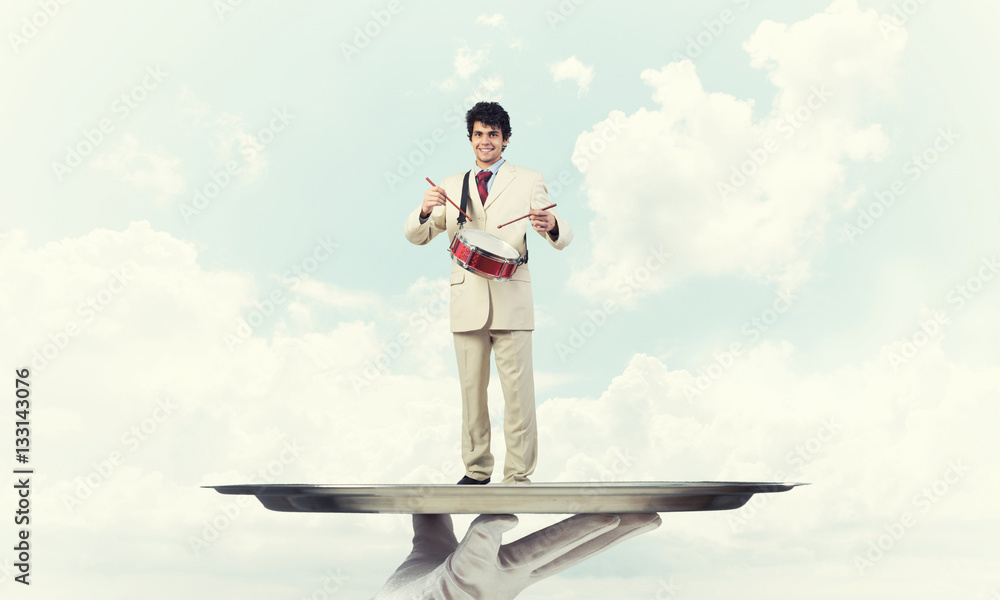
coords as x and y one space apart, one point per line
512 350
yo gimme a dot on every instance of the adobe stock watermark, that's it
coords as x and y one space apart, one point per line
915 167
417 322
87 310
280 118
617 461
220 179
332 582
223 8
964 292
94 137
447 471
625 288
563 11
291 280
610 130
129 442
228 512
366 33
923 502
712 31
613 466
931 328
560 183
752 329
902 12
910 347
425 147
787 126
666 589
796 461
32 25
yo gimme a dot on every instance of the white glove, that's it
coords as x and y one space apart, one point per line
439 568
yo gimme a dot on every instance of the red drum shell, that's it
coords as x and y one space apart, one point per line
481 262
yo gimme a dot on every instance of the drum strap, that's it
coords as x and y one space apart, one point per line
465 201
467 205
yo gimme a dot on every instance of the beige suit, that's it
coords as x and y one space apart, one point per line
497 315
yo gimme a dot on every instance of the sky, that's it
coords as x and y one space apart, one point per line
784 268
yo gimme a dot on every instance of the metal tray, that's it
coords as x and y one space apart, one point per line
547 498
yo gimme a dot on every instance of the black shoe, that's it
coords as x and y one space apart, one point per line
466 480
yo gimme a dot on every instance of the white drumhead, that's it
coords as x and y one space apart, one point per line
488 243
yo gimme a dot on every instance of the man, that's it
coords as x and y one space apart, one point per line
493 315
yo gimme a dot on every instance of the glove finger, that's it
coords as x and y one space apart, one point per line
548 544
481 544
629 526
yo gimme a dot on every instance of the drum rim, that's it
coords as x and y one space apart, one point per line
487 253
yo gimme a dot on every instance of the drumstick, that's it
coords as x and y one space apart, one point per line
448 199
525 216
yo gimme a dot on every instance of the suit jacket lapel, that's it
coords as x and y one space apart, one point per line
504 176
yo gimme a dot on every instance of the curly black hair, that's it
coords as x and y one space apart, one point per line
490 114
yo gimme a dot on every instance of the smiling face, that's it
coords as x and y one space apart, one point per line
487 142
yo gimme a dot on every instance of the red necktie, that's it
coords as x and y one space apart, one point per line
481 178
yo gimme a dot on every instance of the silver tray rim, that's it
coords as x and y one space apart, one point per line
547 498
557 488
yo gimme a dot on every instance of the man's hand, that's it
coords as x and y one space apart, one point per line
543 220
433 198
440 568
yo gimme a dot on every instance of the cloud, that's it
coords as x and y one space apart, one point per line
156 172
870 439
575 71
334 296
128 325
228 135
467 62
489 88
495 20
724 192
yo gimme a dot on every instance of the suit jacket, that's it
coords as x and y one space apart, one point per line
515 190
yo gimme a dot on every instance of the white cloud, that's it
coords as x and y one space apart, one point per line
334 296
113 323
495 20
722 191
155 333
484 89
228 135
575 71
870 439
467 62
154 171
489 87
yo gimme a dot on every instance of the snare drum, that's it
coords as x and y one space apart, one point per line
487 256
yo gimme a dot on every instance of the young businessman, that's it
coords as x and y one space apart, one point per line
488 315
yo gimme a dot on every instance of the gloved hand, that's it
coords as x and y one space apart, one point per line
439 568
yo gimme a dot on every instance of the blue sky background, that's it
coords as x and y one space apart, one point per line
332 132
